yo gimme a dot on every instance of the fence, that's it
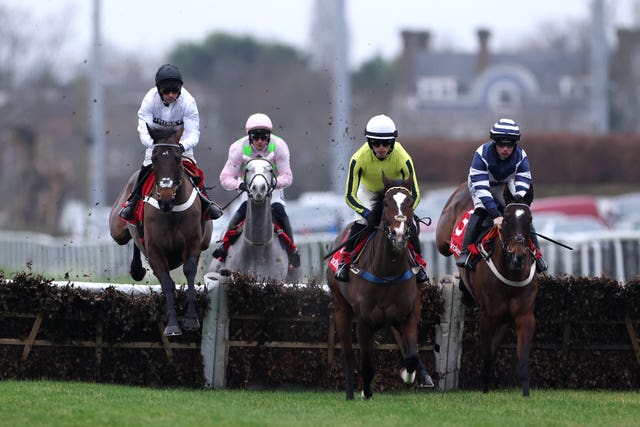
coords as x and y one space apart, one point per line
611 254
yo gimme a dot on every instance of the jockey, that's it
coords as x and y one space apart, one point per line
381 153
496 163
168 104
258 142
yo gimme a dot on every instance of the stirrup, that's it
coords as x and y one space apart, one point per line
127 211
213 210
294 259
421 276
342 274
220 252
541 265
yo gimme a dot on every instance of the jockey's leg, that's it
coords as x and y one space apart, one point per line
136 194
283 221
541 264
421 276
470 236
231 234
342 273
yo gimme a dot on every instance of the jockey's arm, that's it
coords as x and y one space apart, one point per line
283 165
191 135
231 172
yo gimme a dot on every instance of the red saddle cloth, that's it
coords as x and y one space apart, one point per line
457 236
190 167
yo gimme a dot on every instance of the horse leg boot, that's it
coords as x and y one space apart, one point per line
230 236
473 231
127 210
342 273
283 220
541 264
168 287
190 321
421 275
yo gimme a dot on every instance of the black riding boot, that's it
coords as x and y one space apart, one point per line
294 256
421 276
342 273
220 251
209 207
541 264
136 194
471 234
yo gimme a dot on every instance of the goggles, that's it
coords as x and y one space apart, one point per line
168 90
375 142
260 135
505 142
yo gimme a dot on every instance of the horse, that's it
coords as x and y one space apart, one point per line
258 251
504 282
173 231
382 290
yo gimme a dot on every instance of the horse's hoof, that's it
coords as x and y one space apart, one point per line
407 377
426 383
225 272
191 324
172 330
138 274
364 396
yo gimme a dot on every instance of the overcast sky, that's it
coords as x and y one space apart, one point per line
153 26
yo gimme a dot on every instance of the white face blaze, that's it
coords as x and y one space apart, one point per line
399 198
519 212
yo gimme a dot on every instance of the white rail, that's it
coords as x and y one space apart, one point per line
611 254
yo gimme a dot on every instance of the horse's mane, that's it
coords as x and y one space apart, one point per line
378 197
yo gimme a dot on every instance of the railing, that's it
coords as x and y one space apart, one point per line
613 254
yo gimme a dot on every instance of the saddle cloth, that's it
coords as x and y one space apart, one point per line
457 236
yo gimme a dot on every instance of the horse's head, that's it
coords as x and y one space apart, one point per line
260 179
167 164
397 211
516 232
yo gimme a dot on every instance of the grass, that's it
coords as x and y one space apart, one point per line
47 403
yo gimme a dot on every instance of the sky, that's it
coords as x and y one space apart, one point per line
153 26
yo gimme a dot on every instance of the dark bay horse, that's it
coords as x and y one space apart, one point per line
174 233
258 251
382 290
504 282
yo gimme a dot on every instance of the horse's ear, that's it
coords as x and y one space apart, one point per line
408 183
385 181
179 132
528 198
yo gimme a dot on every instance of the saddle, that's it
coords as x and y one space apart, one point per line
230 236
337 256
195 174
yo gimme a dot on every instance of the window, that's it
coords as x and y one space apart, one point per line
437 88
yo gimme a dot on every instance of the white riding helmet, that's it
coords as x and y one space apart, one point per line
258 121
381 127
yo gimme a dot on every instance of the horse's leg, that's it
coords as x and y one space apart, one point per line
525 327
365 340
190 321
169 289
410 359
137 271
488 328
344 331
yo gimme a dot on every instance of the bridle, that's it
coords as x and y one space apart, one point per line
401 218
165 184
248 181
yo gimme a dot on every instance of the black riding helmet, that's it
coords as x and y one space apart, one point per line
168 72
168 76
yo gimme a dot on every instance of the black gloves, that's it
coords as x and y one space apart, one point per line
242 186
